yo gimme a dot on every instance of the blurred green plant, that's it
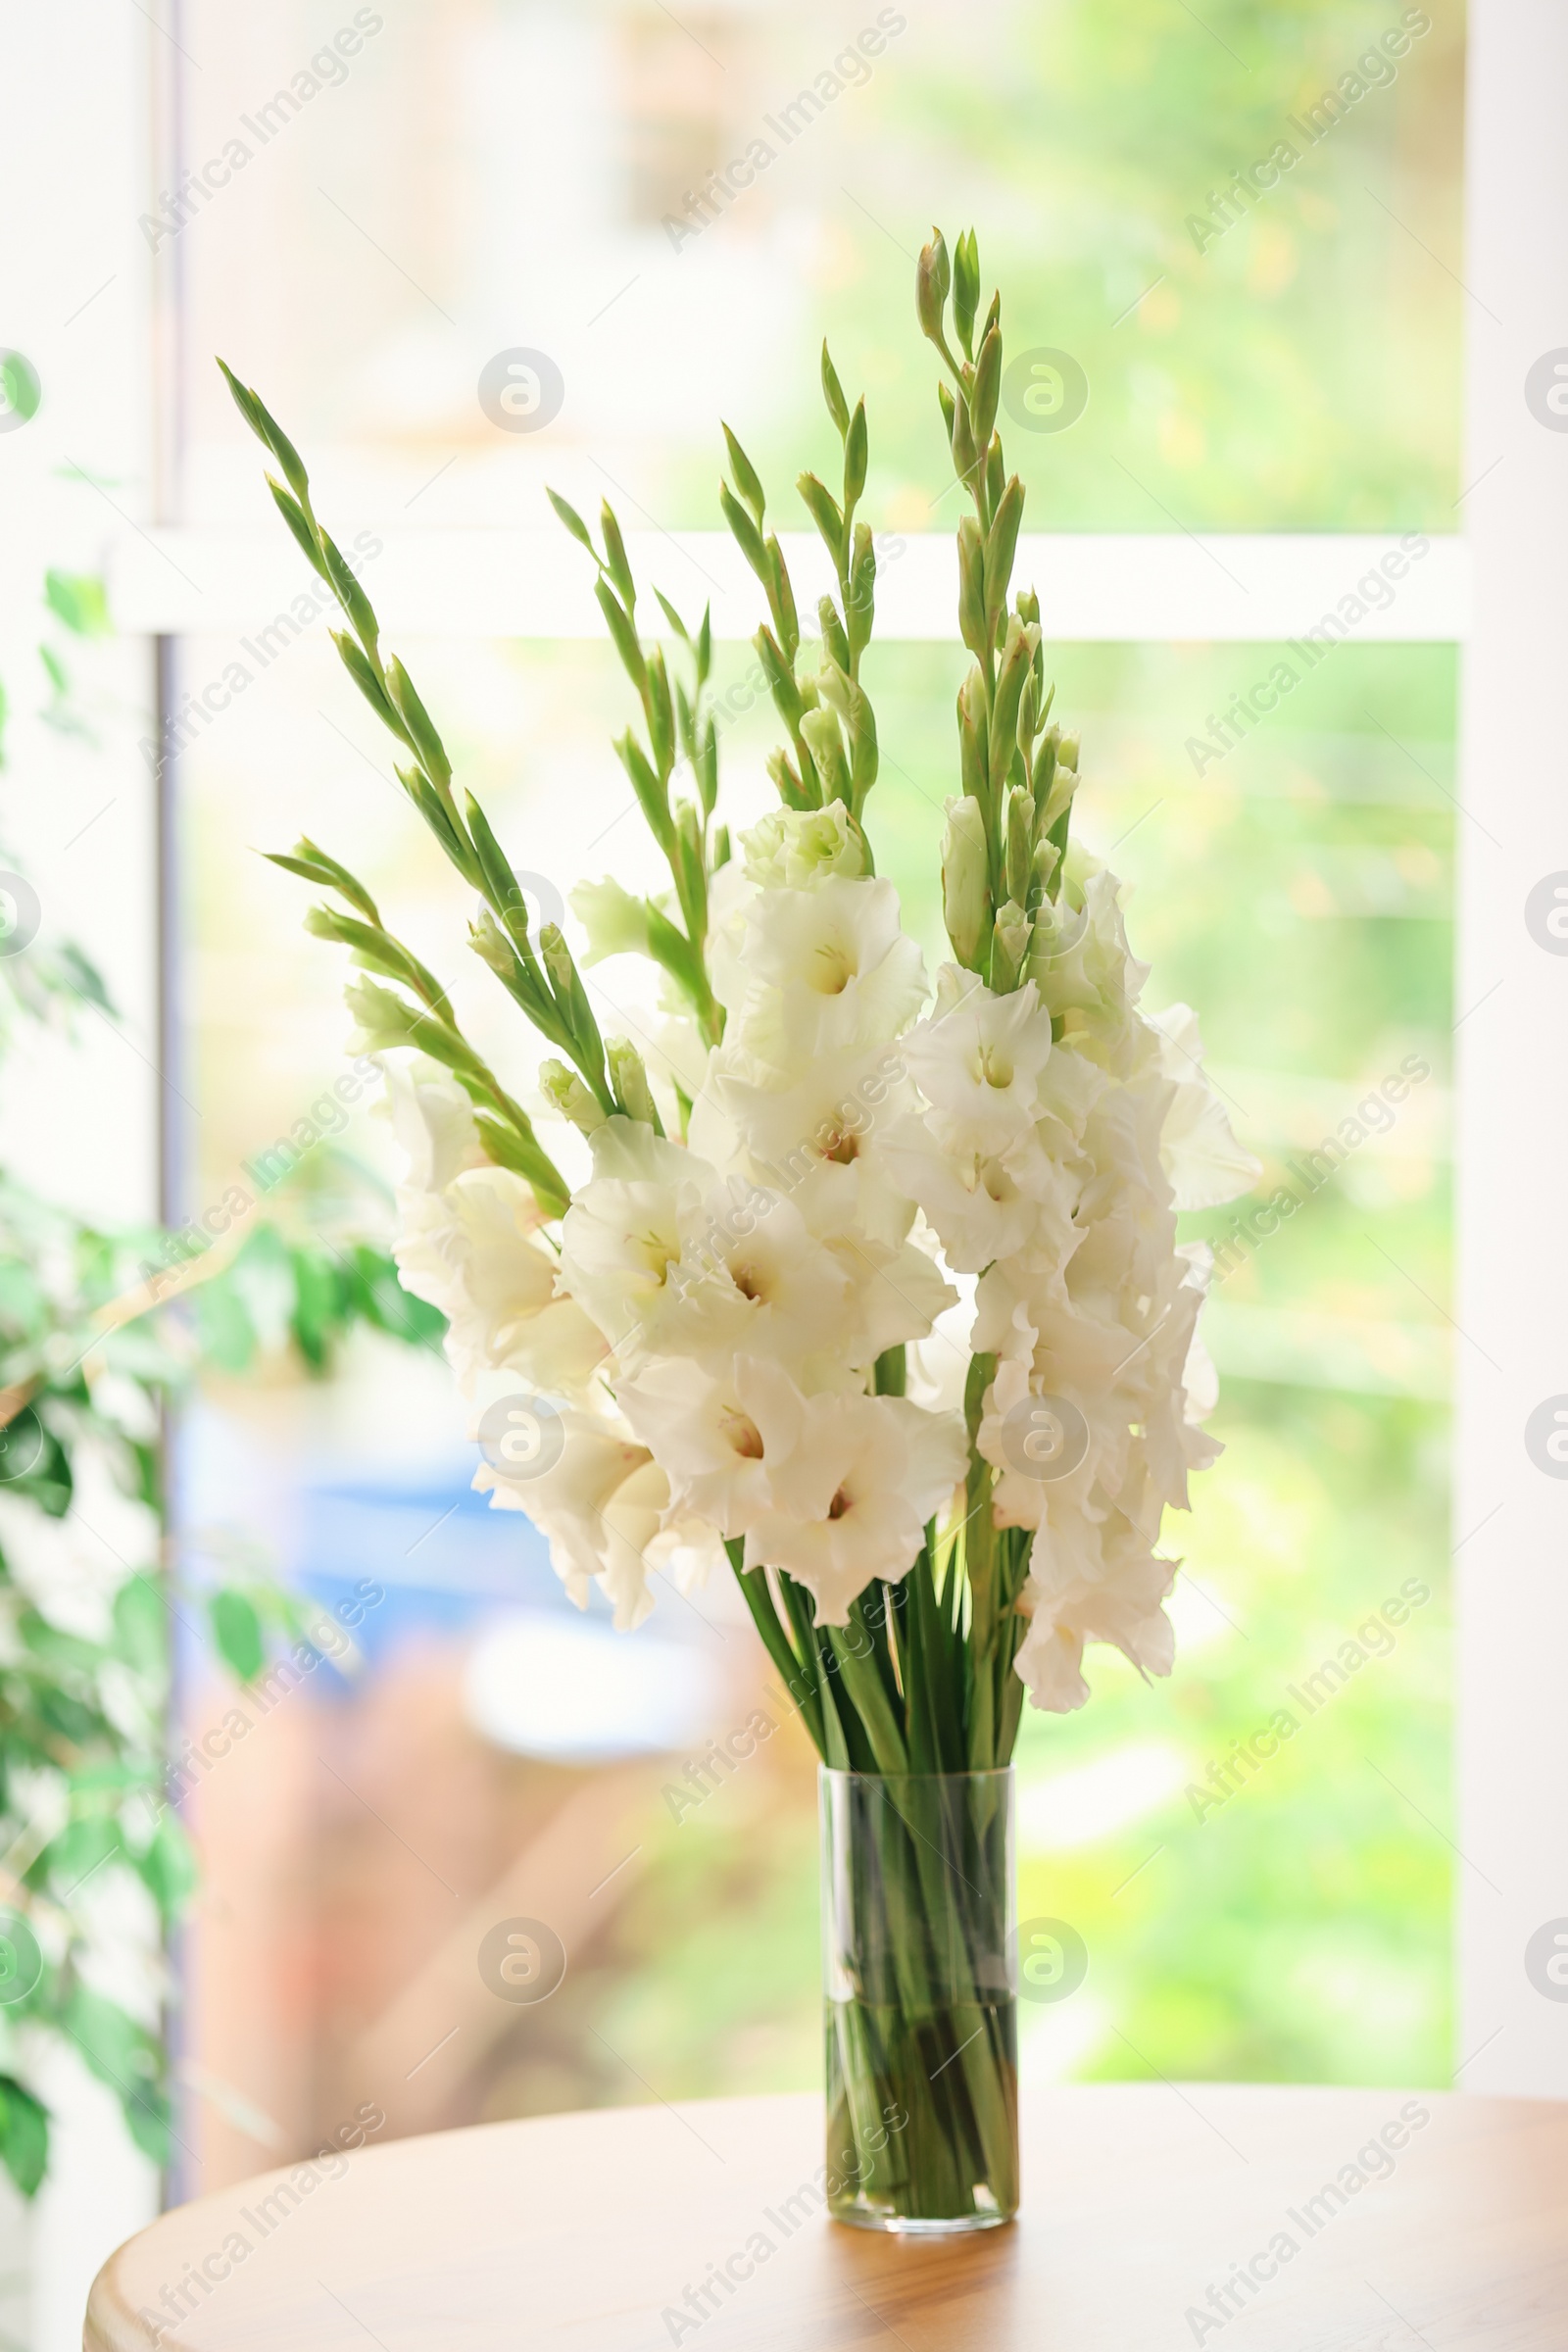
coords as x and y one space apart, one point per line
1301 373
91 1355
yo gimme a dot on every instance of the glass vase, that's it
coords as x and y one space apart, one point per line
919 1985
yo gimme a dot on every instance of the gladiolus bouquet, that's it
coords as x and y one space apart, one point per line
873 1286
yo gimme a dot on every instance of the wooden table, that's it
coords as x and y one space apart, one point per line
1324 2221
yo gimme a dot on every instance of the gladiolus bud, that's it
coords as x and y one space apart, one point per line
932 278
965 894
974 738
965 455
972 626
1018 834
1060 797
820 729
1010 948
491 943
856 456
1045 771
987 389
628 1079
557 959
967 289
565 1092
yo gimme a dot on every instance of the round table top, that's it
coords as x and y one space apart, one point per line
1155 2215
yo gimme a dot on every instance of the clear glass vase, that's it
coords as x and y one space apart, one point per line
919 1984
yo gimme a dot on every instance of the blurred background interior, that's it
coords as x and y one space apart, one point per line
492 173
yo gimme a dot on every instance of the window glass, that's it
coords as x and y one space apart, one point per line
1231 233
1249 1851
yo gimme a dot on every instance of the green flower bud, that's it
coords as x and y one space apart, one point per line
965 288
746 477
1002 544
932 278
860 603
557 959
823 508
973 588
966 455
820 731
1010 948
834 639
567 1094
965 894
628 1079
418 722
995 477
1019 835
855 456
974 738
1060 797
491 943
1016 661
838 407
787 783
987 389
1044 770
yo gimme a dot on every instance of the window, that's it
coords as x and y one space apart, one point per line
1271 355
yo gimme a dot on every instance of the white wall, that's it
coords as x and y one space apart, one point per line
74 116
1511 1515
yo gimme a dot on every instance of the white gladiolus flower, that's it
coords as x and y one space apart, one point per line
468 1251
1120 1604
432 1120
635 1532
1200 1156
669 1261
1086 974
826 972
625 1231
721 1439
794 1293
853 1499
794 849
896 1293
895 1289
937 1367
466 1247
573 1503
798 1137
984 1205
616 922
978 1059
1024 1496
1068 1088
